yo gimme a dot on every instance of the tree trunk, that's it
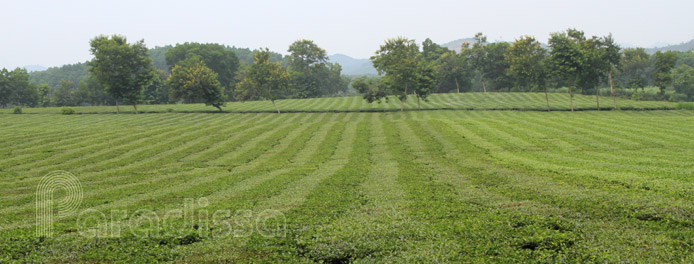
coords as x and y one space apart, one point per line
273 103
456 85
484 86
547 99
597 97
117 107
571 95
614 100
418 105
402 107
135 106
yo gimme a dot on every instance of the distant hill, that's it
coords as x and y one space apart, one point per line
684 46
457 44
34 68
352 66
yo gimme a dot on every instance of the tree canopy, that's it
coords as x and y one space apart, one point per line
123 69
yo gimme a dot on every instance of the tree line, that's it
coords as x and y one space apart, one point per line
214 74
572 60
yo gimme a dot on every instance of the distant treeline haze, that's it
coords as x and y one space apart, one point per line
214 73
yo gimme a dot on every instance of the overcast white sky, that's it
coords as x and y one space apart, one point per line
53 33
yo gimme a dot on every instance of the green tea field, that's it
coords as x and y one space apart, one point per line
450 101
335 182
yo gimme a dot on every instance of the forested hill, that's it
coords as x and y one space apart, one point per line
78 71
684 46
352 66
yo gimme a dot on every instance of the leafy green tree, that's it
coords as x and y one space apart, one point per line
398 60
683 80
91 92
309 69
123 69
477 54
495 67
527 62
221 59
64 94
426 81
15 88
6 91
194 82
664 62
43 90
566 58
371 88
431 52
159 91
453 70
635 64
613 57
263 79
593 66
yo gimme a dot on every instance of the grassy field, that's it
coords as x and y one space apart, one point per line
418 186
451 101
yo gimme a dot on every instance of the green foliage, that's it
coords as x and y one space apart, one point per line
64 94
194 82
52 76
683 80
263 80
398 61
527 62
221 59
123 69
371 88
15 88
685 106
664 62
635 67
67 110
17 110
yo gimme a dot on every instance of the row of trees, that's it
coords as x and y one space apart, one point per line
209 73
571 60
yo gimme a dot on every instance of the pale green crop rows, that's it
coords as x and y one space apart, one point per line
419 186
463 101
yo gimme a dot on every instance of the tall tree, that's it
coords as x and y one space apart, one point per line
683 80
64 94
308 68
194 82
221 59
593 66
398 60
635 64
263 79
6 92
453 70
371 88
123 69
477 54
565 58
664 62
91 92
613 57
527 60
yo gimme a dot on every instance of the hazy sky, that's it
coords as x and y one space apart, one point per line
53 33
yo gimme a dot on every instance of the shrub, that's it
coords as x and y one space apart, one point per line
685 106
17 110
677 97
67 111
